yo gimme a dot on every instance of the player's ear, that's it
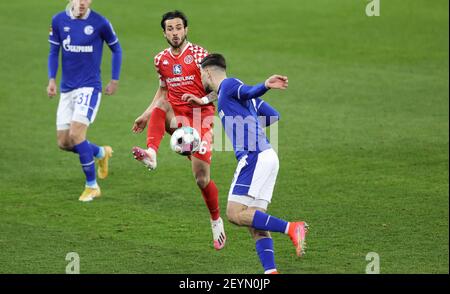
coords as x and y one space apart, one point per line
187 29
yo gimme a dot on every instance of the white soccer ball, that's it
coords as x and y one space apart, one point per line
185 141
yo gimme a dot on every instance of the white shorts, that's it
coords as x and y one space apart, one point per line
254 179
80 105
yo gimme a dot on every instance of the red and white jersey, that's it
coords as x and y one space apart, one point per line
181 73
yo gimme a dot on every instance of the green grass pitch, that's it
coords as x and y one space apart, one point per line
363 141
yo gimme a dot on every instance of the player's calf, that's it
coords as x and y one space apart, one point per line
65 147
64 142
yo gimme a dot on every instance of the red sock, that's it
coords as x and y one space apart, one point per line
156 128
211 197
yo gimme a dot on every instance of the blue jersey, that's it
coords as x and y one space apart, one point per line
81 43
244 115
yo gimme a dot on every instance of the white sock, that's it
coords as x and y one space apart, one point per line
215 222
92 186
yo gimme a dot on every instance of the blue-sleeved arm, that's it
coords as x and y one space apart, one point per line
116 60
109 35
266 110
53 61
246 92
55 44
238 90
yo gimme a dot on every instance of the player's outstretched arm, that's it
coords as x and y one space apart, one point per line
245 92
141 121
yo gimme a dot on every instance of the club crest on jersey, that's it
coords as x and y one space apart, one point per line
188 59
177 69
88 30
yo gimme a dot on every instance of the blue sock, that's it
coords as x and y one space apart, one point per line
264 248
84 150
99 152
266 222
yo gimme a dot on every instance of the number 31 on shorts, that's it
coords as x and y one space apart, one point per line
84 98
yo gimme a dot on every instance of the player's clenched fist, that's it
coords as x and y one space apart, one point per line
111 88
51 88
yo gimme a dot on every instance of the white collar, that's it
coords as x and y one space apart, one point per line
181 53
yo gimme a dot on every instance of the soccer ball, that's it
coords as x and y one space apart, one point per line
185 141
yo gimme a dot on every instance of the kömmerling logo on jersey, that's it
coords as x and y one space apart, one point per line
76 48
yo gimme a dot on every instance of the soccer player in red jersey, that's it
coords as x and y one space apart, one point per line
178 68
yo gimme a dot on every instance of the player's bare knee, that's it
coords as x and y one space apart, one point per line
202 181
163 104
233 216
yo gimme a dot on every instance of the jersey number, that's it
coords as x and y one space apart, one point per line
202 150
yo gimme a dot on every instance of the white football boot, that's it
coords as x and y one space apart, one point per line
147 157
218 231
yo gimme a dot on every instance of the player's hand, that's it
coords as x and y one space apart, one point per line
139 124
51 88
277 82
192 99
111 88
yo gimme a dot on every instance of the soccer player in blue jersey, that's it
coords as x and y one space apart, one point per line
79 33
244 115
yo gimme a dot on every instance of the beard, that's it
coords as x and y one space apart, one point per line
176 46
